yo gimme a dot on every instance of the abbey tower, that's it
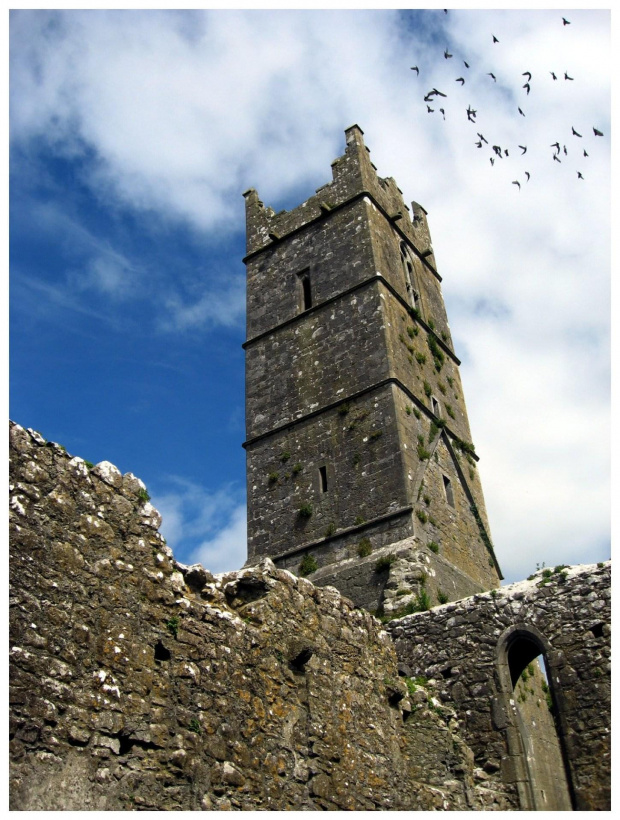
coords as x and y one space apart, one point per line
358 443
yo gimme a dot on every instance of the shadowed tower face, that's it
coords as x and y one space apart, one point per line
358 443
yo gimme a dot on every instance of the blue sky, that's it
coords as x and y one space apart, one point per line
133 135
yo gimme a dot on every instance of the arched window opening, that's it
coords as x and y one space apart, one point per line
535 713
305 290
409 276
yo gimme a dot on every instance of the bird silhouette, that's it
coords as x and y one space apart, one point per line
478 144
429 109
466 64
597 133
443 112
555 145
428 97
556 158
566 77
523 149
565 151
585 153
527 87
575 134
553 75
527 174
528 75
516 182
520 112
565 22
447 55
471 114
416 69
495 40
490 74
498 151
460 80
439 93
492 160
482 139
579 175
505 152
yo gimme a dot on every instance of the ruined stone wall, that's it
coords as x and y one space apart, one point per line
139 683
564 612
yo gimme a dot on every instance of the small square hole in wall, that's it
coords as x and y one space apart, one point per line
447 486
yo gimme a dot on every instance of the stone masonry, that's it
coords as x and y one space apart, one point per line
565 615
357 431
139 683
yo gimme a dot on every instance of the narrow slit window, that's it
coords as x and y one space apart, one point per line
436 407
447 486
305 300
323 479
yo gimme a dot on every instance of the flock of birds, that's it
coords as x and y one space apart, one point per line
435 96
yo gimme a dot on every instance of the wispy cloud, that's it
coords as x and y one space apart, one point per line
224 307
174 126
202 525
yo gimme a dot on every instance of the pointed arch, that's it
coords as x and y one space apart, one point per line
536 740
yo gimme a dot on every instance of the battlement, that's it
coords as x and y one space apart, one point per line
353 176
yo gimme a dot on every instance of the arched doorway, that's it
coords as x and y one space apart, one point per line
535 741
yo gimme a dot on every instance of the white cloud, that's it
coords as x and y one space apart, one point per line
184 111
228 549
201 525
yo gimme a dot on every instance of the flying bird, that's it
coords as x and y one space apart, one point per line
553 75
597 133
528 75
555 145
527 174
439 94
520 112
495 40
443 112
585 153
566 77
565 21
447 55
478 144
527 87
416 69
579 175
505 152
490 74
482 139
498 151
556 158
492 160
471 114
523 149
575 134
429 109
516 182
460 80
565 151
428 97
466 64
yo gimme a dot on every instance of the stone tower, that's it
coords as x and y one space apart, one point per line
358 443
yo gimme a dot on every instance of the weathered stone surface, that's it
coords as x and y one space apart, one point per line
462 645
137 682
357 429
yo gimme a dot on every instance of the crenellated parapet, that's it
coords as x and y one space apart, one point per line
353 175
